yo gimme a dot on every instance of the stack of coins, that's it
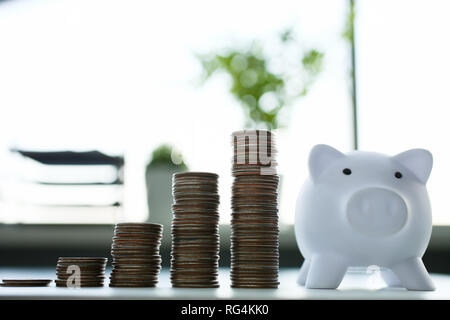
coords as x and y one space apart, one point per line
195 230
254 223
135 252
89 271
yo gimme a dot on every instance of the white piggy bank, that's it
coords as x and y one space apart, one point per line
363 209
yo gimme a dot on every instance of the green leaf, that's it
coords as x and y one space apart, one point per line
251 78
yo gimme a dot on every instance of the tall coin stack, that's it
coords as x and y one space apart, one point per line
90 272
195 231
135 252
254 222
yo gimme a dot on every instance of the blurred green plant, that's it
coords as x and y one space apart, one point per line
166 155
350 22
266 83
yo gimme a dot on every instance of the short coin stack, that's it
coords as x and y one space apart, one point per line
135 252
90 272
254 223
195 231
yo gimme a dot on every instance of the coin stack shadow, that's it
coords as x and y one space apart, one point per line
195 230
91 271
254 222
135 252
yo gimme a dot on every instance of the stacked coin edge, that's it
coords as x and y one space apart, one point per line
91 271
195 231
254 224
136 259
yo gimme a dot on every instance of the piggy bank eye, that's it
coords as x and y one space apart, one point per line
347 171
398 175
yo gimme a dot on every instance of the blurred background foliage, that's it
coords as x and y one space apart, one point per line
263 81
350 22
167 155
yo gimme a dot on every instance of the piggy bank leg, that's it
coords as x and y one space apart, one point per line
390 278
413 275
325 272
303 273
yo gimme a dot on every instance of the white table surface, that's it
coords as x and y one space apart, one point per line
354 286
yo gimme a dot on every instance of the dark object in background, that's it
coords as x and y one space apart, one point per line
91 158
70 187
72 157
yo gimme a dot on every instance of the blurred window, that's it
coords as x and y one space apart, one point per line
403 70
122 77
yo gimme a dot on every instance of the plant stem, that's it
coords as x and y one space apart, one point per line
353 75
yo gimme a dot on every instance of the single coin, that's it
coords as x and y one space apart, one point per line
25 282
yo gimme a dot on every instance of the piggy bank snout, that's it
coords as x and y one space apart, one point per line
376 212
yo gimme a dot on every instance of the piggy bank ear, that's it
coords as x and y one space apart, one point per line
320 158
418 161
